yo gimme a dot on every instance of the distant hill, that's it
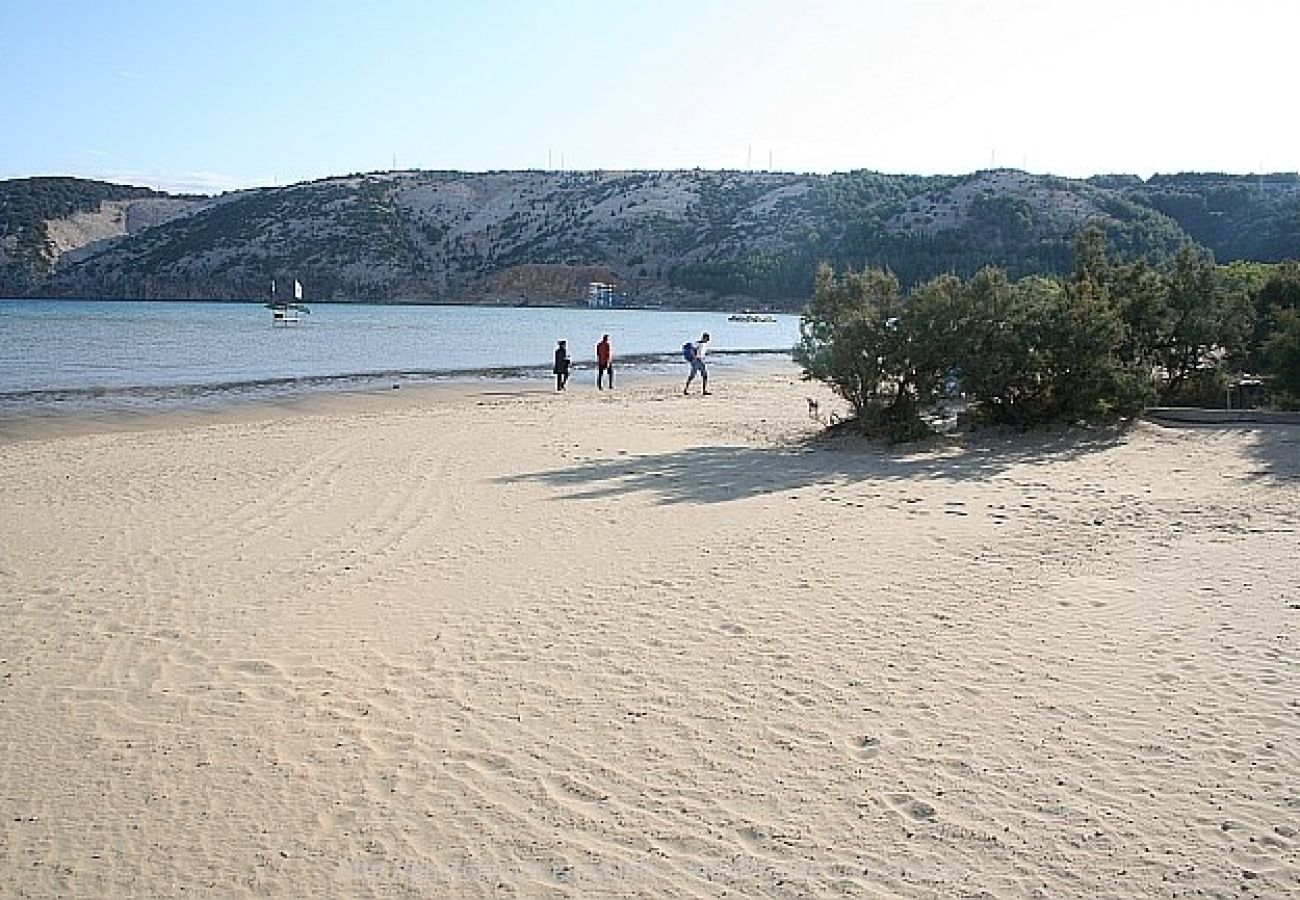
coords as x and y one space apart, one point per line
45 221
672 238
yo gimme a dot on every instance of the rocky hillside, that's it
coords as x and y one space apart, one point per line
664 238
48 222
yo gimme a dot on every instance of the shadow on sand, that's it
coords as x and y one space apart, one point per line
1274 447
1277 449
1274 435
720 474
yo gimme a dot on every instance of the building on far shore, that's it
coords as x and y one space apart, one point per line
601 295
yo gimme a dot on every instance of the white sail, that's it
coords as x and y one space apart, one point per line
297 289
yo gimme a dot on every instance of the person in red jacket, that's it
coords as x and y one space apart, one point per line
604 363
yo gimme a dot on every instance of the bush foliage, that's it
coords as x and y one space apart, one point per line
1098 346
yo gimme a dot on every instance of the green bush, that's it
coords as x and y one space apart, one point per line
1025 353
853 337
1282 353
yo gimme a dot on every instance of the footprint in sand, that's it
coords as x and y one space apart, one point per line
867 747
920 810
257 667
752 839
917 809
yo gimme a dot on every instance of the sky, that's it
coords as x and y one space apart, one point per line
214 95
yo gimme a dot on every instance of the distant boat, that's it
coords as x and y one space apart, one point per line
284 312
750 317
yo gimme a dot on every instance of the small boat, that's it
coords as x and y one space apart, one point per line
750 317
285 312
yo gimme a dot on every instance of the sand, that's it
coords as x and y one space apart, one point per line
491 640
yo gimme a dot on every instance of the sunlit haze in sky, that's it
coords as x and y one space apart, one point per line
212 95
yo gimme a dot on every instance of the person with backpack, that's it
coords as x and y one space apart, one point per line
561 367
604 363
693 353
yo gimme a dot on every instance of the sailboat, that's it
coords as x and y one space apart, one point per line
284 312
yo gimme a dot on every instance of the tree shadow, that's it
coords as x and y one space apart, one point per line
1273 439
721 474
1277 450
1275 447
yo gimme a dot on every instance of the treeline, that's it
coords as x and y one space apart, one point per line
1021 224
1238 217
1100 344
1001 230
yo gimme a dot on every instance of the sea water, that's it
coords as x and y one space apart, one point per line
91 355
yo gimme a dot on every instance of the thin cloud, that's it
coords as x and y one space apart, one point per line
187 182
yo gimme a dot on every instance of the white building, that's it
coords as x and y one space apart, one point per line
600 294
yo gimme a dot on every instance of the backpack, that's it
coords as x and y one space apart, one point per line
688 351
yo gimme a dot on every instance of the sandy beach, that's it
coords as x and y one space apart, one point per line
491 640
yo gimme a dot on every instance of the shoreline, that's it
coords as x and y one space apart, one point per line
742 305
92 409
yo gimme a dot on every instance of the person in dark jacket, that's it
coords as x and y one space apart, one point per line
562 364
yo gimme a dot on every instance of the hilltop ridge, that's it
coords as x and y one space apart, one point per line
672 238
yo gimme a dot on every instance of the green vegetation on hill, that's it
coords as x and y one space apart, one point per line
26 204
684 237
1011 228
1238 217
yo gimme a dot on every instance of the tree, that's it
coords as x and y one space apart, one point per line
1275 348
997 361
854 336
1091 378
1205 323
1282 354
1025 353
1277 292
1091 265
1141 296
1039 351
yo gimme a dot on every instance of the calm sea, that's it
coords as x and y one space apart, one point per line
62 355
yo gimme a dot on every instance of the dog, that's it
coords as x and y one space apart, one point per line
814 411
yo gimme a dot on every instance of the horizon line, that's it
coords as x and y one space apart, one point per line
191 183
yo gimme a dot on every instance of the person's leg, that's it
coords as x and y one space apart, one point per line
697 367
611 376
